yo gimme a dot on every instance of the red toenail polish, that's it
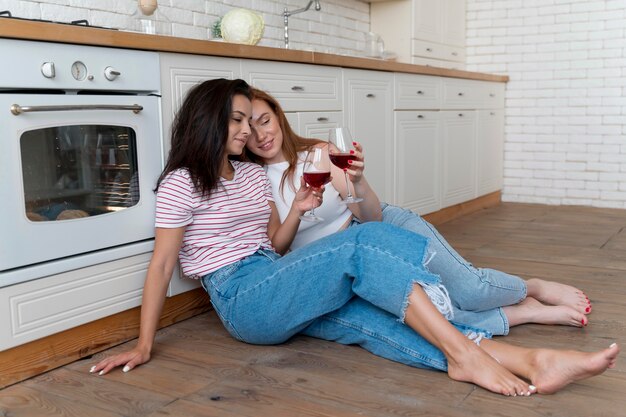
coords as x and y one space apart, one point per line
583 322
587 310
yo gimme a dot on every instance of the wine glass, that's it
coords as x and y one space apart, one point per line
316 173
340 155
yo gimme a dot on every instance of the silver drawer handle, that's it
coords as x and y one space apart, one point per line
419 116
297 88
16 109
460 94
460 114
322 119
370 95
420 92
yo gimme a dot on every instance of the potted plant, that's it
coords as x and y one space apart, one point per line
216 30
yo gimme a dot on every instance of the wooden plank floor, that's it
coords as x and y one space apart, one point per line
198 370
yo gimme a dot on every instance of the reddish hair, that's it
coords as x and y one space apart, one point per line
292 142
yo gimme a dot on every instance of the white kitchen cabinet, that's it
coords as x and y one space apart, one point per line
318 124
310 95
418 160
38 308
425 32
427 18
453 18
368 102
489 148
179 73
297 87
314 124
449 136
458 141
417 92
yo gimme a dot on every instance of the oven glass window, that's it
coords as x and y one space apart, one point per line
78 171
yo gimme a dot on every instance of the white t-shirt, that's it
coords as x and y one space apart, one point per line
223 229
334 213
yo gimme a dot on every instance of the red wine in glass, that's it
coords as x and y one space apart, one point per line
316 179
341 159
340 156
316 173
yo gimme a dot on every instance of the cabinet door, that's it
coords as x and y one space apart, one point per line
318 124
453 24
459 157
294 122
179 73
368 97
489 147
418 160
427 20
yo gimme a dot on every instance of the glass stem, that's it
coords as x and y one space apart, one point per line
347 185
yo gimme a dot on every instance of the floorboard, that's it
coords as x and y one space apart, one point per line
198 370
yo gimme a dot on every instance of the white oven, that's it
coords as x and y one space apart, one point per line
80 154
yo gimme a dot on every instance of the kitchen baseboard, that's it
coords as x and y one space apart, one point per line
39 356
458 210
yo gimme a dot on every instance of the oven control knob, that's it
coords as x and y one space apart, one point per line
47 69
111 73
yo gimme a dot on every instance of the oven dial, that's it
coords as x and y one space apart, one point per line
47 69
111 73
79 71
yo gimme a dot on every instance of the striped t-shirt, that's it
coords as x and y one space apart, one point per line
222 229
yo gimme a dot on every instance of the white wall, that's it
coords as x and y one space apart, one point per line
565 102
338 28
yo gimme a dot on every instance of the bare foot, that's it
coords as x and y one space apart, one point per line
555 369
532 311
476 366
557 294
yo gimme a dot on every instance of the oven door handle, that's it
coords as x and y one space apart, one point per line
16 109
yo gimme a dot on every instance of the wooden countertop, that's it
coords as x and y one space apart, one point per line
52 32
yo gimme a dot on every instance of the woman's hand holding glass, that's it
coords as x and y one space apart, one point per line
315 174
344 156
356 166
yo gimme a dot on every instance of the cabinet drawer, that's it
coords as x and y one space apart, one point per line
318 124
416 92
437 63
472 94
39 308
490 95
437 51
298 87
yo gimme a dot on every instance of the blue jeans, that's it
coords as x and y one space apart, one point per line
351 287
477 294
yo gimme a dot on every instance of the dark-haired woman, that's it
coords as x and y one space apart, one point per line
218 217
490 299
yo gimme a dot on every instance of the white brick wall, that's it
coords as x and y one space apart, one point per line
565 103
338 28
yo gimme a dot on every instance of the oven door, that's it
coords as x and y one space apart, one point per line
74 178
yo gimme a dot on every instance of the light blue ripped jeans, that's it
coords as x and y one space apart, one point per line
477 294
351 287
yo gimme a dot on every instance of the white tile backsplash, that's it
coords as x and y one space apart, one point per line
346 20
